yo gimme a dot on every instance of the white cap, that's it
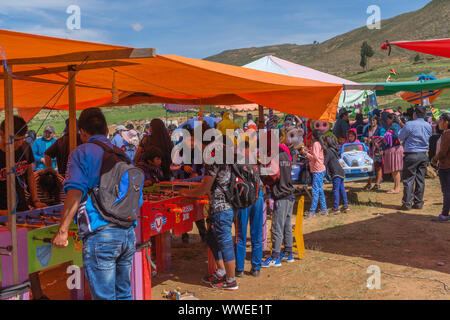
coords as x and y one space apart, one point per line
118 128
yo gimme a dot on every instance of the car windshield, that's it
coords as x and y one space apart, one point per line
353 147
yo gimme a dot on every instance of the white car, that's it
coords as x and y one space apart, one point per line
355 161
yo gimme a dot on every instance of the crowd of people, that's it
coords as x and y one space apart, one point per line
399 144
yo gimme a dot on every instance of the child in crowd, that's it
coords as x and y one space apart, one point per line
282 192
24 159
49 186
352 136
181 170
216 183
151 165
337 174
317 167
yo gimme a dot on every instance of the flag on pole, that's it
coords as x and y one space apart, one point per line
392 73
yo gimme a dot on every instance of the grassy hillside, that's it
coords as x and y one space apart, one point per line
341 55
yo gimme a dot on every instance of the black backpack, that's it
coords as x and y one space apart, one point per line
118 195
243 190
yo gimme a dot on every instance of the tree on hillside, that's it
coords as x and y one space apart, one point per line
366 53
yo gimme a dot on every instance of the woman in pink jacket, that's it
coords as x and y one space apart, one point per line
318 170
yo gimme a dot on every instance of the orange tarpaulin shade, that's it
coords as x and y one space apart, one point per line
169 79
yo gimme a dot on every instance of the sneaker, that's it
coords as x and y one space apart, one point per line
335 211
239 274
270 262
404 207
323 213
417 206
310 214
345 209
212 278
255 273
441 218
225 285
287 257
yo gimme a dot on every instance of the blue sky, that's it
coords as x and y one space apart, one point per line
197 28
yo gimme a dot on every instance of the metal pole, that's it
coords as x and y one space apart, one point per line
261 117
72 109
10 163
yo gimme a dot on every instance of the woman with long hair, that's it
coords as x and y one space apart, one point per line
393 152
317 166
158 137
442 160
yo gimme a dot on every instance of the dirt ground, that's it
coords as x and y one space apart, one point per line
411 251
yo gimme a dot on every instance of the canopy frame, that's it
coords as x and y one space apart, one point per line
76 57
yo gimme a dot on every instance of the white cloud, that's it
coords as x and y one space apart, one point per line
137 26
91 35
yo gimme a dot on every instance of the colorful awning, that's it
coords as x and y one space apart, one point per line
164 79
411 86
438 47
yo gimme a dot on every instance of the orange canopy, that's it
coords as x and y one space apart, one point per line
169 79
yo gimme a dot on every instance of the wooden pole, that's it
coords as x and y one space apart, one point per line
10 176
261 117
72 109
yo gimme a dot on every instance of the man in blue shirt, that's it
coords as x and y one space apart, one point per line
416 135
41 145
117 140
108 249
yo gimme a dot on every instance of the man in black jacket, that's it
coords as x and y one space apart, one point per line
342 126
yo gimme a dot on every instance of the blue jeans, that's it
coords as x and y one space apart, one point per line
317 191
339 189
255 214
223 248
444 177
107 257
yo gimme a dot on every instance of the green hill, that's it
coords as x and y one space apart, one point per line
341 55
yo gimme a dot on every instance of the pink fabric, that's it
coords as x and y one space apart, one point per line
285 148
356 135
131 137
296 70
316 158
393 159
239 107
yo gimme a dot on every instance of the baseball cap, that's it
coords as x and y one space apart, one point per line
420 109
50 129
343 111
118 128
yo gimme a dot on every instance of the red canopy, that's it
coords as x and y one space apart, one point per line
439 47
